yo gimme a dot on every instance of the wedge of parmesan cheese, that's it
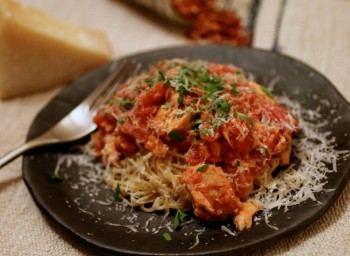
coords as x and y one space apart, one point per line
38 51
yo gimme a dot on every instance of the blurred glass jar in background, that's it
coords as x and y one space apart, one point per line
218 21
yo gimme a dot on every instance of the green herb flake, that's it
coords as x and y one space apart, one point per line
204 77
162 77
222 108
207 131
223 104
209 120
117 194
212 84
149 81
55 177
126 103
167 236
234 88
245 118
267 92
121 120
181 97
177 136
235 113
181 89
179 218
222 114
198 121
202 168
192 81
217 124
188 73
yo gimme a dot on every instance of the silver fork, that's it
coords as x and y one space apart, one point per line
79 122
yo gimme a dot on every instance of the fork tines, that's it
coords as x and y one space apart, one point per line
125 69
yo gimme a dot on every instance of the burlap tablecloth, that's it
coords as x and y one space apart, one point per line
315 31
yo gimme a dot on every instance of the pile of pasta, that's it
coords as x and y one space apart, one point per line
193 135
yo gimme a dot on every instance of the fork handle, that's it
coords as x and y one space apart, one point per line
19 151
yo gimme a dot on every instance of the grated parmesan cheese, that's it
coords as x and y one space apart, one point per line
315 157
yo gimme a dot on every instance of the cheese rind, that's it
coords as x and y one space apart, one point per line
38 51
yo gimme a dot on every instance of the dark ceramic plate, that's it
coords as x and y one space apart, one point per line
80 208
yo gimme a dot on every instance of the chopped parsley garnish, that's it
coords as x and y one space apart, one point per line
267 92
245 118
55 177
121 120
234 88
188 75
126 103
209 120
221 107
202 168
204 77
116 197
212 84
179 218
167 236
162 77
223 104
217 124
181 95
181 83
207 131
192 81
111 101
149 81
197 122
235 113
177 136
